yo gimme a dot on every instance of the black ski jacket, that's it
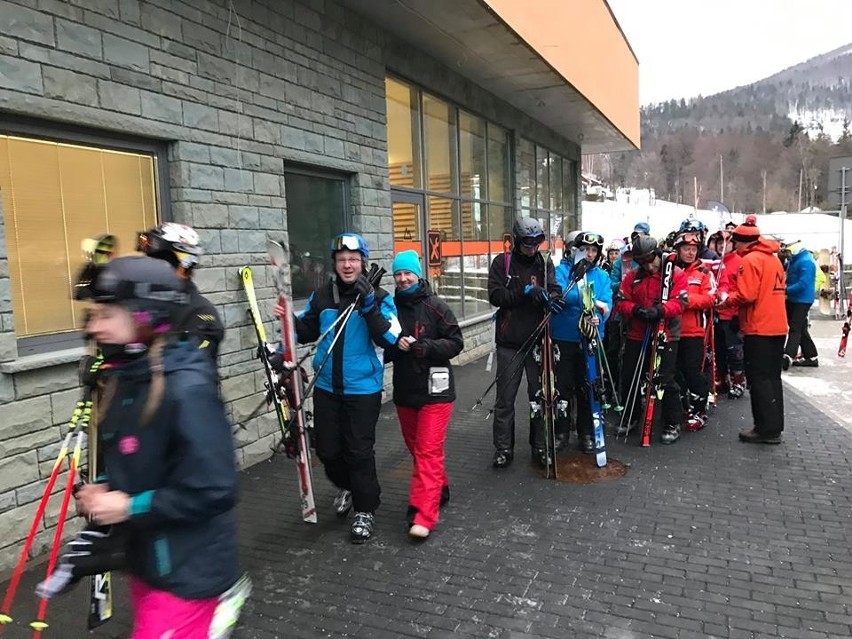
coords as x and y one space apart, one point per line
427 317
200 322
518 314
179 472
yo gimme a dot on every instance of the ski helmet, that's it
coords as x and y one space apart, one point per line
177 244
147 287
350 242
615 245
645 246
528 228
590 239
692 224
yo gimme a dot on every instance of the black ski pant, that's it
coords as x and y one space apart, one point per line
345 436
690 357
572 384
672 407
729 347
614 337
798 335
508 383
763 357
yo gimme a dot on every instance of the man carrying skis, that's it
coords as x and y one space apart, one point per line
691 351
348 392
759 294
640 300
571 378
522 285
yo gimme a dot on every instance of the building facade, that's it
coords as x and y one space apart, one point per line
419 125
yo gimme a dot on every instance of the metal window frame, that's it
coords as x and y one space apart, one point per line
23 126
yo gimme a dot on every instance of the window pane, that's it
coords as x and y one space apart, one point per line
541 178
555 183
403 133
472 156
406 227
474 222
498 164
54 196
440 142
569 186
316 212
526 173
446 280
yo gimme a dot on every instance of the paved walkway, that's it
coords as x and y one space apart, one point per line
706 538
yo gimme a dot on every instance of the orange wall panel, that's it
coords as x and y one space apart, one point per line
582 41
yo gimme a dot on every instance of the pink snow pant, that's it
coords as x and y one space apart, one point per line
161 615
424 430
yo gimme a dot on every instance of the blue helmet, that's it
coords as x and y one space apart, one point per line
691 224
350 242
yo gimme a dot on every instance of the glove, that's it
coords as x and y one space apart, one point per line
95 550
648 314
367 292
537 293
556 304
89 370
683 298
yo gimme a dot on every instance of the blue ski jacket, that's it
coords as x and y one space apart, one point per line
356 365
565 325
801 278
179 471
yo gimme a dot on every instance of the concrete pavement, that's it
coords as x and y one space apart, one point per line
709 537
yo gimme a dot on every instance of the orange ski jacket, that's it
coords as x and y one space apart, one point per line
761 290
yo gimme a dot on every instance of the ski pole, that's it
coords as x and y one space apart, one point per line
612 381
528 343
635 383
40 624
81 411
326 333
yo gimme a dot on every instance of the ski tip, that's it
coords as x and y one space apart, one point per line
38 625
5 619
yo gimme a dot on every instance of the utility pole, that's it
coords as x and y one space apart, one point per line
764 191
842 261
721 180
801 177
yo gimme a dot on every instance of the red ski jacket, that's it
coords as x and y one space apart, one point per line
726 282
639 288
700 298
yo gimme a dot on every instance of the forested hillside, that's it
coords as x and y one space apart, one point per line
766 140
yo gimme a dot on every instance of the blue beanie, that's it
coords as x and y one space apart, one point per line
407 261
642 227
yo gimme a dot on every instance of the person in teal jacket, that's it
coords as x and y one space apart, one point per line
801 281
571 379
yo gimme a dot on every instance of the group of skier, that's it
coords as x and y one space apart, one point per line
671 322
680 320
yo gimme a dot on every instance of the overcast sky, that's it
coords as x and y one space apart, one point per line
691 47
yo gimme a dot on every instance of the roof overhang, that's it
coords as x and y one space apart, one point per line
504 48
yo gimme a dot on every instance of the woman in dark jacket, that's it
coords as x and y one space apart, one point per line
423 388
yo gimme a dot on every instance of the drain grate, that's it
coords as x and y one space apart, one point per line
577 468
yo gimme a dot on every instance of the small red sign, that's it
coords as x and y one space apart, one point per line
435 257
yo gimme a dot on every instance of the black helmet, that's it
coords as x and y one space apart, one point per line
527 227
178 244
147 287
585 238
644 246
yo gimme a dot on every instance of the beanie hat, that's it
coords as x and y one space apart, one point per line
642 227
407 261
747 232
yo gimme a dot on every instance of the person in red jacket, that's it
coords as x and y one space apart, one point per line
728 344
698 298
640 300
760 295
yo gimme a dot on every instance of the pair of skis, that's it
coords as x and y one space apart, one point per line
654 389
841 351
591 344
285 397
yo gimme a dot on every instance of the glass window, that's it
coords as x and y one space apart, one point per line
526 173
569 186
446 280
56 194
555 168
439 132
499 182
542 162
472 156
403 135
316 212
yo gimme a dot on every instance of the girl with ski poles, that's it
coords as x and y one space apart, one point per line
423 388
571 379
171 482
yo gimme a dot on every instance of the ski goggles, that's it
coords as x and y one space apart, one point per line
346 242
589 238
689 237
532 242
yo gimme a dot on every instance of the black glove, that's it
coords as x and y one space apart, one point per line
363 287
89 370
556 303
648 314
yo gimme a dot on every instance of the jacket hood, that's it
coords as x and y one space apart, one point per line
177 355
762 245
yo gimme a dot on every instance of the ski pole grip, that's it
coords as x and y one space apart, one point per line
376 274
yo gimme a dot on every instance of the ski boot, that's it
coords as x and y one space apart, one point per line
738 383
502 458
671 434
809 362
696 420
228 609
343 503
362 527
723 383
541 457
785 365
